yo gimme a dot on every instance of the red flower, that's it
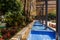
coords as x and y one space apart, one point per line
8 35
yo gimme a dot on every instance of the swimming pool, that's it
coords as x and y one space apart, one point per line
38 32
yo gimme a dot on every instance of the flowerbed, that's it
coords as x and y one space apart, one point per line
8 33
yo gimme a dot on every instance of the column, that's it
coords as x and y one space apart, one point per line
46 12
58 19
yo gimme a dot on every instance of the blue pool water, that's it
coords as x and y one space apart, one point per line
38 32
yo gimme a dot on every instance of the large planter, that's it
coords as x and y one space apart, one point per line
52 25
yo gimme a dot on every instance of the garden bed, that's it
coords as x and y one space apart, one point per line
8 33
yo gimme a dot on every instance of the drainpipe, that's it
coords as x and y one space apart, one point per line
46 12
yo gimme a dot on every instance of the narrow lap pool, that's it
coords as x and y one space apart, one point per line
38 32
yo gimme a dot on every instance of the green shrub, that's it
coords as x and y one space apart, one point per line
14 19
51 16
13 15
10 5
